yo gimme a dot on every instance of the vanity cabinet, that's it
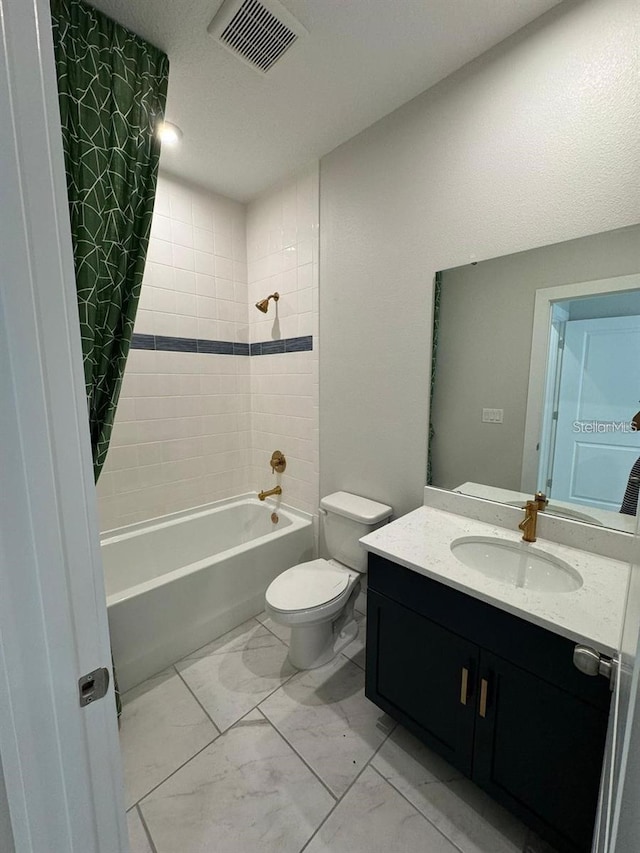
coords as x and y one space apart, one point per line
497 696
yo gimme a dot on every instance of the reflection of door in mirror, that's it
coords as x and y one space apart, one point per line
506 393
592 446
583 391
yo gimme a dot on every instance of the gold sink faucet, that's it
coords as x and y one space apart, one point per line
530 521
276 490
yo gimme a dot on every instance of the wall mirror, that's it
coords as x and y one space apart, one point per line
537 378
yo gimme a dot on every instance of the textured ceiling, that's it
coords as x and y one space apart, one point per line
361 60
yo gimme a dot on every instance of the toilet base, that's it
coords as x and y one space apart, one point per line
312 646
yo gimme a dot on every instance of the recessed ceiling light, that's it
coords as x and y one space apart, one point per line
170 134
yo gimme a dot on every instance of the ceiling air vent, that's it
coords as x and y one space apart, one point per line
258 31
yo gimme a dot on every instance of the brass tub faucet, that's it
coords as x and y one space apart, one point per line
530 521
276 490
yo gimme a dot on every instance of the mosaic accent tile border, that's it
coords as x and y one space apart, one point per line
166 343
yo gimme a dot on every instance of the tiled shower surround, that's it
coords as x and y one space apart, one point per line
193 427
282 256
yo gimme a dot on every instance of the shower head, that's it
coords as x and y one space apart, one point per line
263 305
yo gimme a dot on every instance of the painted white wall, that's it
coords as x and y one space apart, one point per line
282 256
534 143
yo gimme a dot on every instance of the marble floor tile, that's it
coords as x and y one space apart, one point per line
235 673
355 650
248 791
138 841
162 726
325 716
280 631
460 810
374 818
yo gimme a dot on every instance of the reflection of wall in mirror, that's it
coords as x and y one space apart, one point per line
484 351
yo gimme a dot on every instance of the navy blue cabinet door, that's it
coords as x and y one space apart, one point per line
538 750
424 676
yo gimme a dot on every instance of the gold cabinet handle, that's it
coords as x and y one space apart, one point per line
484 689
464 684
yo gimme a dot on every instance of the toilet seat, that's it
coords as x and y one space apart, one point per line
307 586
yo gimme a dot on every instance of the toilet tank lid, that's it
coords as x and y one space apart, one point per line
356 507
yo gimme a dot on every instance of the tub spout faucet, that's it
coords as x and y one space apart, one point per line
276 490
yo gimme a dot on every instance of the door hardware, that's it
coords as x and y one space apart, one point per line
464 684
93 686
484 689
590 662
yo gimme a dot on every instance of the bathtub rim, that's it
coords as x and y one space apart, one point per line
298 518
202 509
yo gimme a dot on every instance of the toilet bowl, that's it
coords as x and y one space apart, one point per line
316 599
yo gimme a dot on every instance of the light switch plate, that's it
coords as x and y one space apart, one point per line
492 416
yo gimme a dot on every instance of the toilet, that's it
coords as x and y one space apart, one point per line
316 599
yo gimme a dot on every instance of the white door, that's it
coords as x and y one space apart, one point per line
599 389
62 789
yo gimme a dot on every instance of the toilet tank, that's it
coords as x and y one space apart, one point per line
348 518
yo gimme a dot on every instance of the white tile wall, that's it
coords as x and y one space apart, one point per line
181 436
195 283
193 428
182 431
282 255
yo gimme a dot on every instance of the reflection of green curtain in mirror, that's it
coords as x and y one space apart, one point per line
112 88
437 288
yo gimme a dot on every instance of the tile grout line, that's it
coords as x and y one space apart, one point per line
270 631
355 662
152 845
264 699
337 803
275 690
173 772
220 732
138 805
292 747
200 705
416 809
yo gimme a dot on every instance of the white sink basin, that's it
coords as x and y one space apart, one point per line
516 564
552 509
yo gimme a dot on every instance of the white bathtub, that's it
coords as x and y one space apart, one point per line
180 581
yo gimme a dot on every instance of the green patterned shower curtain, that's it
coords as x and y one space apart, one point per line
112 88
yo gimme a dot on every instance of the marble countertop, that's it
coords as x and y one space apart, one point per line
593 614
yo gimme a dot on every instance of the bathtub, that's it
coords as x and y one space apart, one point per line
178 582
